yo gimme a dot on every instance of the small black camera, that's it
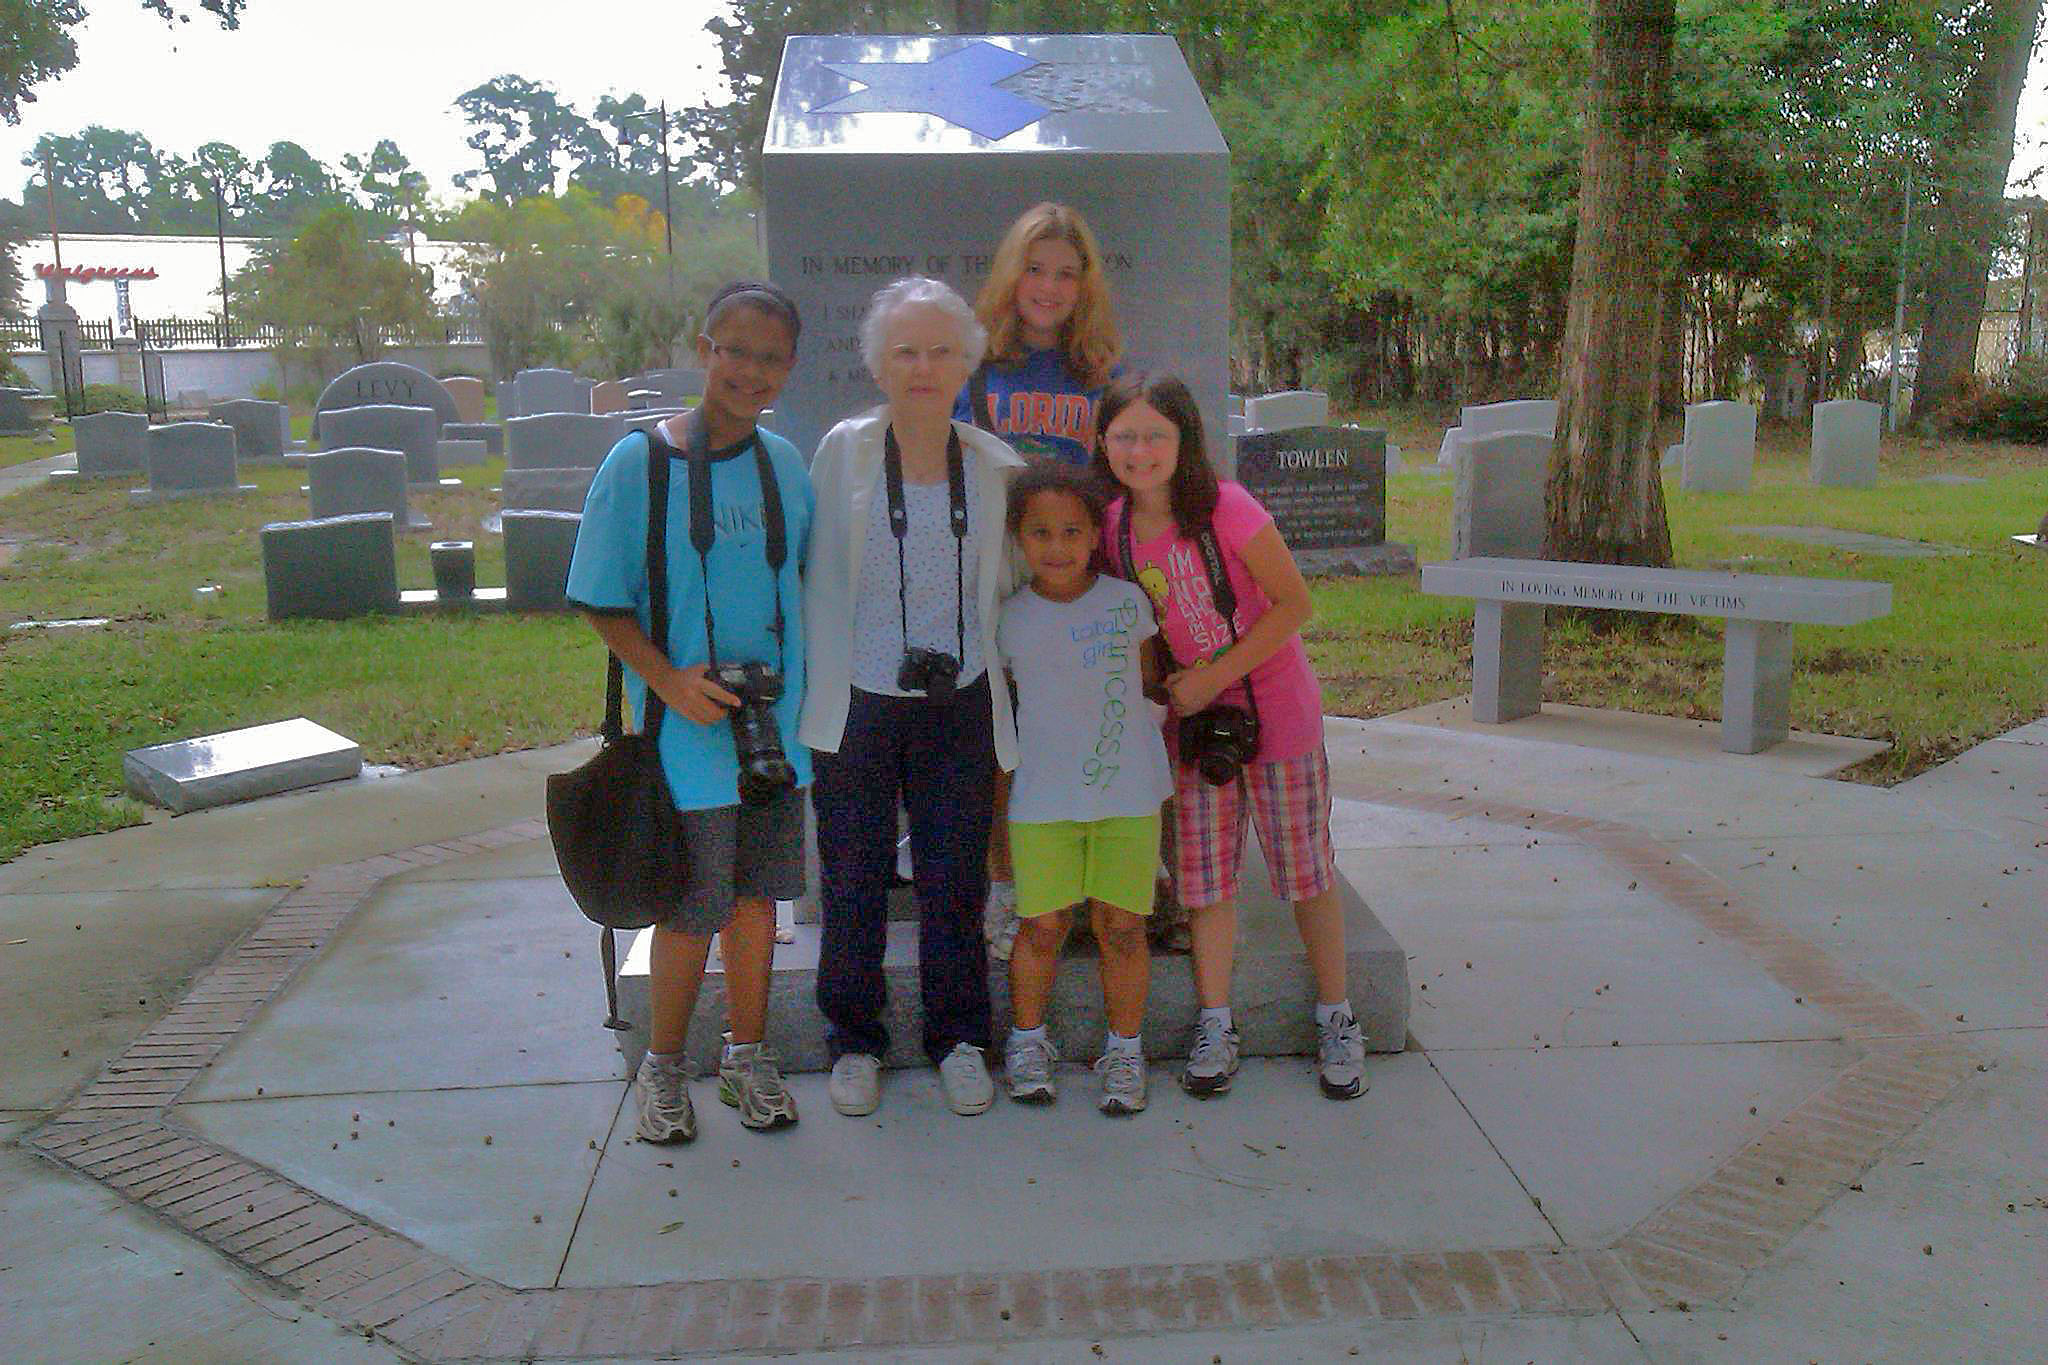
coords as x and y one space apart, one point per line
929 672
1218 741
765 771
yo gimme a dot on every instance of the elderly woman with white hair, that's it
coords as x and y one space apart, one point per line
908 560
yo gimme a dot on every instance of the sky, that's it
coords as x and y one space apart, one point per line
337 75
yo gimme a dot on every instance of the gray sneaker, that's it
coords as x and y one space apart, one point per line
663 1093
1027 1070
964 1075
1123 1082
1340 1050
1212 1062
752 1084
856 1085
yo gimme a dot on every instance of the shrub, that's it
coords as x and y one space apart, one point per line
105 398
2015 409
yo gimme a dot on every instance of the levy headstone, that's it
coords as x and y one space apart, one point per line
110 443
1327 490
383 382
1845 443
388 426
1497 502
892 156
1719 451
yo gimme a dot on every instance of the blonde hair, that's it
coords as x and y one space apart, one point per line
1089 338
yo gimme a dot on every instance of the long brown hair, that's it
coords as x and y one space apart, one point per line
1192 489
1089 338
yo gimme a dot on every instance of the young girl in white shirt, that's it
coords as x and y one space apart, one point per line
1091 774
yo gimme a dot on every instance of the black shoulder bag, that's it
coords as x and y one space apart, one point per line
613 821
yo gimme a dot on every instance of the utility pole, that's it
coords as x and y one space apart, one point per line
50 197
1899 301
2025 347
668 215
220 237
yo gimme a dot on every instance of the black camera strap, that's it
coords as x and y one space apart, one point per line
1220 590
899 526
703 533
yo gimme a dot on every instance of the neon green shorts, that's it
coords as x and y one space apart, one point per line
1059 862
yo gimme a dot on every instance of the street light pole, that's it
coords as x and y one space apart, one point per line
220 237
668 216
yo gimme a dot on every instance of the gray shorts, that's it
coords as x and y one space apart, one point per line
737 851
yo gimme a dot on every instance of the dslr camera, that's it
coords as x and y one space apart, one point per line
928 671
765 771
1218 741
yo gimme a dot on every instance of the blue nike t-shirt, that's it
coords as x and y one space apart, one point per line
1038 407
608 573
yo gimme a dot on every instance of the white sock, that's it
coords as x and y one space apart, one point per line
1027 1035
667 1061
1220 1015
1116 1042
1003 894
735 1052
1326 1014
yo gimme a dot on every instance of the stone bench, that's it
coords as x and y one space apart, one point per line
1756 665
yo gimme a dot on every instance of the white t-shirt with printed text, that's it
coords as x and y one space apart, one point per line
1088 745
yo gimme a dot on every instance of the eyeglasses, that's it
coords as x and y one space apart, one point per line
1151 440
759 360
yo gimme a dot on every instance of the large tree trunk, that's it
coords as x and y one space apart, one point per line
1671 350
1605 500
1972 212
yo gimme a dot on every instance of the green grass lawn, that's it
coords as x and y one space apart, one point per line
1962 657
21 449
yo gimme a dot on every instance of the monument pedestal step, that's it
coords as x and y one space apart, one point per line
1273 995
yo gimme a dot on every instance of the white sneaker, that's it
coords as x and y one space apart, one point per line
965 1076
1212 1062
1123 1082
663 1093
1027 1070
856 1085
905 869
1340 1055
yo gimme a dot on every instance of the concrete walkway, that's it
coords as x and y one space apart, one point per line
1709 1061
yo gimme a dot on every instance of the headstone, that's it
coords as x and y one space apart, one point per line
239 765
1674 458
468 394
557 440
1497 505
388 426
1785 386
674 384
555 490
335 567
867 134
387 383
448 454
1288 410
1845 443
190 457
1719 448
1234 424
110 443
1327 490
538 546
17 416
492 434
608 396
341 483
263 430
542 391
654 417
1447 452
1518 414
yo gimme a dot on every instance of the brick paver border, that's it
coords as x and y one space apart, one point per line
1696 1249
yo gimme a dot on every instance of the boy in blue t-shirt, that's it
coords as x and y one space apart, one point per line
742 856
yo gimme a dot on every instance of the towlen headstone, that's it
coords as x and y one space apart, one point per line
893 156
1327 490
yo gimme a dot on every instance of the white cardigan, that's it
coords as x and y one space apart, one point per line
843 478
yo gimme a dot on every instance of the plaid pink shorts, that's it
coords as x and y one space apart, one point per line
1290 805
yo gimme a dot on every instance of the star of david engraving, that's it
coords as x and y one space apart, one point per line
959 87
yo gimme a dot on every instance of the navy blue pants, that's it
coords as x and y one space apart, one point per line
939 757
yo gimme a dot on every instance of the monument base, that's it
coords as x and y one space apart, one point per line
145 497
425 601
1273 995
1387 558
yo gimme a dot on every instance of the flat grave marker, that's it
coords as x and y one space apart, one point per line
238 765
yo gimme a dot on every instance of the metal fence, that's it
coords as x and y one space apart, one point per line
225 333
